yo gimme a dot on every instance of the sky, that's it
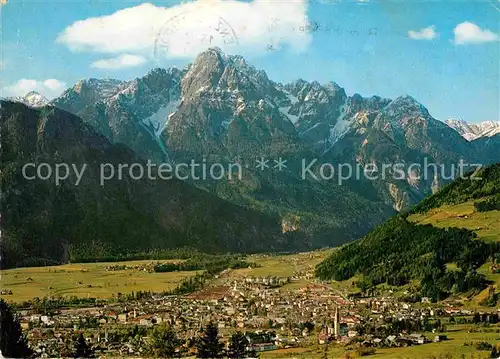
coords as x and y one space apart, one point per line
443 53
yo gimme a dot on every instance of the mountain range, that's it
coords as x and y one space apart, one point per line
224 108
221 109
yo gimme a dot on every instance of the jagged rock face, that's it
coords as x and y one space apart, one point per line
409 123
318 109
366 145
487 148
216 74
228 109
132 112
401 131
205 73
400 198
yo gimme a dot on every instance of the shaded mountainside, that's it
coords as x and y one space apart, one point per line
45 223
398 251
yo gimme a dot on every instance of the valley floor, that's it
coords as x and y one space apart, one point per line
295 292
270 294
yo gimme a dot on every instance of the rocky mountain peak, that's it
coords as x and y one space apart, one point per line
406 107
204 73
32 99
34 94
159 79
222 107
295 87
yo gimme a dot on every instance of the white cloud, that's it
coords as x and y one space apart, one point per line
50 88
119 62
469 33
186 29
54 84
427 33
24 85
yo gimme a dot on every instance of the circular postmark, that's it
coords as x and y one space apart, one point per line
186 33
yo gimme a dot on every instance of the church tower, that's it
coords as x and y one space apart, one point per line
336 325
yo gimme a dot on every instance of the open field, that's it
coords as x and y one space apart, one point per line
85 280
485 224
282 265
93 280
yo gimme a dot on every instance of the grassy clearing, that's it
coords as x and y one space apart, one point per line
281 265
485 224
85 280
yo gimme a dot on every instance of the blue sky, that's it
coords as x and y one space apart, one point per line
445 54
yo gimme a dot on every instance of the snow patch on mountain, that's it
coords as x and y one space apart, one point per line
285 109
341 126
473 131
31 99
158 120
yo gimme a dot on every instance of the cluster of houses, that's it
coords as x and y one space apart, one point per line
272 315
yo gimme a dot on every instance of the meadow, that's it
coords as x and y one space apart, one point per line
94 280
485 224
85 280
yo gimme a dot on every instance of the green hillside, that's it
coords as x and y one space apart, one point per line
416 248
484 185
